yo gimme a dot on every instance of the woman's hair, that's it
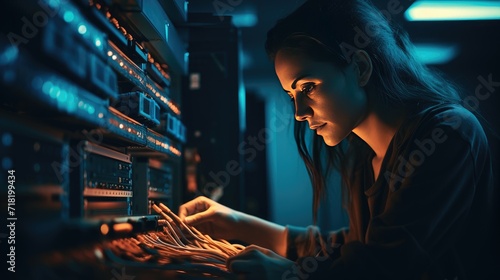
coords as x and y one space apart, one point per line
330 31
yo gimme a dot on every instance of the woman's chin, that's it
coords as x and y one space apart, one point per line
331 142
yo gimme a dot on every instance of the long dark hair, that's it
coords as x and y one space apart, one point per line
331 30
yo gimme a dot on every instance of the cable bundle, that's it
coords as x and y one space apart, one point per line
177 242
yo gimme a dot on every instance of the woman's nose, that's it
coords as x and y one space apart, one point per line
302 110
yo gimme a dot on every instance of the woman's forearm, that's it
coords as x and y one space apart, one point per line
254 230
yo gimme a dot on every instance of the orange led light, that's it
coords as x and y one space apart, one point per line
104 229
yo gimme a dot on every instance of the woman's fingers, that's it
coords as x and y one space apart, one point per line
254 248
199 218
256 262
250 253
194 206
250 263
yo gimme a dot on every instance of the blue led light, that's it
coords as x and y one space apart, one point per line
69 16
6 163
7 139
98 43
54 3
8 55
54 92
63 96
47 87
453 10
82 29
245 19
245 59
72 101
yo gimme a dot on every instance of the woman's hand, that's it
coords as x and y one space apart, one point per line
210 217
222 222
255 262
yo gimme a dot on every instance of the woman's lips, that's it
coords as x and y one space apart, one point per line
318 127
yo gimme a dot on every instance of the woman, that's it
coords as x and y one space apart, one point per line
415 164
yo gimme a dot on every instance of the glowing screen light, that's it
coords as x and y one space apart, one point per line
453 10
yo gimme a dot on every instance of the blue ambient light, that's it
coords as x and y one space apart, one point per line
435 53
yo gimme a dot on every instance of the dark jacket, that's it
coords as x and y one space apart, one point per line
427 216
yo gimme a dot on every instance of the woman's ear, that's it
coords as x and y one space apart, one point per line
364 66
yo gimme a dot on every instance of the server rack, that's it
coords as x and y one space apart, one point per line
91 130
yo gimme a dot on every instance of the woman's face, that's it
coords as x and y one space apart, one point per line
329 99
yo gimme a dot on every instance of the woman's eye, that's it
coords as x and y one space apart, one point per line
307 88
